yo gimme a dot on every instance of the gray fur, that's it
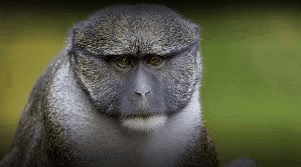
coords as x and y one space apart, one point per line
85 110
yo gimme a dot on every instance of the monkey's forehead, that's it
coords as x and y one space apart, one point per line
143 29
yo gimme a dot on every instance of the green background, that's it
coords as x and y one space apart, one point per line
251 89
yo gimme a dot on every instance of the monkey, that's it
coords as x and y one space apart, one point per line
124 92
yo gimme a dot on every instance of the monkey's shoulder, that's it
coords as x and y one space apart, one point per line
203 152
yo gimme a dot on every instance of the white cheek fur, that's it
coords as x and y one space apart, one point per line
144 124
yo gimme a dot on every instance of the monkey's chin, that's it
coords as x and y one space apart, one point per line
144 123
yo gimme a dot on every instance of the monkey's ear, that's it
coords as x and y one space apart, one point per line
197 33
71 43
74 35
196 29
199 29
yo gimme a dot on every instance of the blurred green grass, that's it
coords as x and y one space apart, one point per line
251 91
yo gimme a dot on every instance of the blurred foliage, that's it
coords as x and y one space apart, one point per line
251 92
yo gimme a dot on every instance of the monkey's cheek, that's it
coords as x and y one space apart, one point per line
144 124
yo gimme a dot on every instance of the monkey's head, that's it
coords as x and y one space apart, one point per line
139 64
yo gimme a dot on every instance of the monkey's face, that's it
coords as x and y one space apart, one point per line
139 66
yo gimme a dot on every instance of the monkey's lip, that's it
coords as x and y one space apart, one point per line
143 116
144 123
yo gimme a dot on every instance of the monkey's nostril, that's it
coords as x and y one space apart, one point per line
142 93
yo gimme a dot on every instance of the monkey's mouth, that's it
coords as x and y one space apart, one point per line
143 123
141 114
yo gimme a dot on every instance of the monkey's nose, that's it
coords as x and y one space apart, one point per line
143 92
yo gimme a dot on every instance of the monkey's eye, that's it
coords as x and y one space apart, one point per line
155 60
123 62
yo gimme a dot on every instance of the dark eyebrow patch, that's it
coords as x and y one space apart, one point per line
175 52
179 50
164 54
111 58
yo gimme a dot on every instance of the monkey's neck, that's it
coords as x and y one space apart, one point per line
177 135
